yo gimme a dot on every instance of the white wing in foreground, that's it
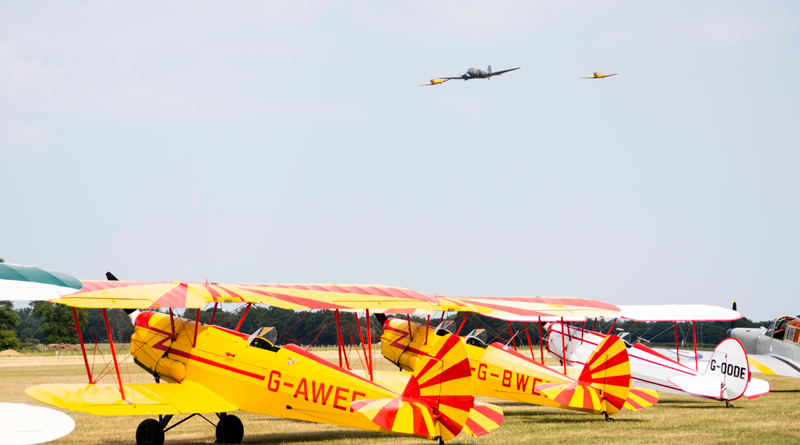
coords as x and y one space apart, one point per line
27 424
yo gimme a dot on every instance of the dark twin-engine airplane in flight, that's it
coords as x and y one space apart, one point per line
472 73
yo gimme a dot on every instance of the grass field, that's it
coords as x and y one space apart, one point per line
771 419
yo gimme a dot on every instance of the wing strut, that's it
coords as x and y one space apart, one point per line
427 328
466 314
677 351
563 347
694 340
196 326
583 329
243 315
213 313
541 341
530 345
171 323
83 348
511 333
113 353
369 337
363 345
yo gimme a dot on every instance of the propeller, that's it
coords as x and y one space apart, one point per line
110 277
733 322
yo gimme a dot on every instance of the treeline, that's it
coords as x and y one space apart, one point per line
48 323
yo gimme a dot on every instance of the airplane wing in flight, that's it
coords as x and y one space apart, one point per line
501 72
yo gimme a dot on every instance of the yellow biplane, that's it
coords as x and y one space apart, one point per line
206 369
599 76
604 386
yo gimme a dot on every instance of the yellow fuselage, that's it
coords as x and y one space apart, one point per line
289 383
497 371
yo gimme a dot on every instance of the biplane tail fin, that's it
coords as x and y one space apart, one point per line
726 376
438 400
609 371
604 383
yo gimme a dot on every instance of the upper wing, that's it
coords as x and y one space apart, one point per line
609 75
497 73
677 312
19 282
144 295
774 364
140 399
530 308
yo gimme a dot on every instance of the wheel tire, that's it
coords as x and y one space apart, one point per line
150 432
230 430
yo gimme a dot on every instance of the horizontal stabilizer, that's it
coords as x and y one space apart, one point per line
483 417
398 415
140 399
640 398
573 395
756 387
703 386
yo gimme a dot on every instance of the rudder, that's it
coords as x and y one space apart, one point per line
729 365
609 371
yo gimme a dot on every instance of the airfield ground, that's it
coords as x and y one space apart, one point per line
771 419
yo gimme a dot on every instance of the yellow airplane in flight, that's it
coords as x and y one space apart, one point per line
602 388
599 76
434 82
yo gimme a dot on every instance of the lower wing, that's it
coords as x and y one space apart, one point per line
140 399
775 365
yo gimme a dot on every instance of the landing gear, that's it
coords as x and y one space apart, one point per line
608 419
441 441
229 429
150 432
728 404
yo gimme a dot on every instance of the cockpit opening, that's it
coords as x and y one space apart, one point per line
265 338
777 329
444 328
477 338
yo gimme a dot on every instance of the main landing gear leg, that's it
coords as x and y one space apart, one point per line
608 419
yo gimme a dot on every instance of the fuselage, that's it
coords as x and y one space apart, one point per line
286 382
781 338
497 370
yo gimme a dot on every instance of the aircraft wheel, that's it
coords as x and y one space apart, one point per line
230 430
150 432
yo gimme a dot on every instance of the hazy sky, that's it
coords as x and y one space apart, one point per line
289 142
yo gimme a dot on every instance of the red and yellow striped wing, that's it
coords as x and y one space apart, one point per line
609 371
146 295
640 398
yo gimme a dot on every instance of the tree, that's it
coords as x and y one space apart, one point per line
57 319
8 321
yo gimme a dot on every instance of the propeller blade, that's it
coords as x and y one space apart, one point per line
733 323
110 277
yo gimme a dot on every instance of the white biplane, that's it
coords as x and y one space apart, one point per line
726 373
